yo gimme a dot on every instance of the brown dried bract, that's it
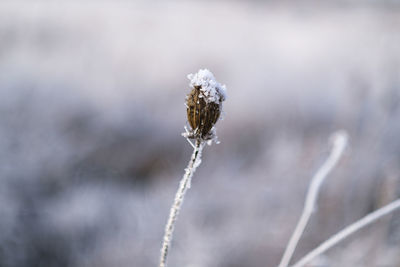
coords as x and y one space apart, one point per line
201 115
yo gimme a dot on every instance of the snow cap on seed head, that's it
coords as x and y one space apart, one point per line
211 90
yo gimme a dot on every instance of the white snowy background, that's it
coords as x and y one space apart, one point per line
92 108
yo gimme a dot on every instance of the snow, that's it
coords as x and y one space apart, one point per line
211 90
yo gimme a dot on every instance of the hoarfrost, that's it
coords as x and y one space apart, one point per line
212 91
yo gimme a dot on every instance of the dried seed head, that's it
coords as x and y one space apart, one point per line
204 105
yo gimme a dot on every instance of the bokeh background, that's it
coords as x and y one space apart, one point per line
92 108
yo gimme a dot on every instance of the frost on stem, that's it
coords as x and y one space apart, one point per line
339 140
184 185
204 105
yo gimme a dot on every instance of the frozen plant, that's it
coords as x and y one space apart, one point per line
339 140
204 107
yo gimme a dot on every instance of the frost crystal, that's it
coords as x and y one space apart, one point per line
211 90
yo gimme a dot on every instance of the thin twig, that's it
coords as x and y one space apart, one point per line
190 142
339 144
370 218
184 185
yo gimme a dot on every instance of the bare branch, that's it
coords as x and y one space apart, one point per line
332 241
339 144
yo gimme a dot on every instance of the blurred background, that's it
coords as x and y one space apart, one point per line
92 108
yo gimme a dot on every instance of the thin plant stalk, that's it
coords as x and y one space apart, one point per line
351 229
184 185
203 109
339 144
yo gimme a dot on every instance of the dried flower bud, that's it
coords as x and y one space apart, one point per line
204 105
